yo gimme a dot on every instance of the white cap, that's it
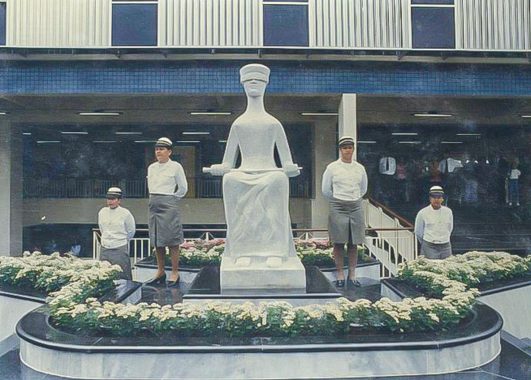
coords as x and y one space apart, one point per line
114 192
254 71
345 140
164 142
436 190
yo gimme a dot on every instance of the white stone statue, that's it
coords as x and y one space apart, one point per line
259 252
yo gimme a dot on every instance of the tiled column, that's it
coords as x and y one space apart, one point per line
324 152
10 191
347 122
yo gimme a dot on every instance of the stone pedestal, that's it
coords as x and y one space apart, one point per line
259 274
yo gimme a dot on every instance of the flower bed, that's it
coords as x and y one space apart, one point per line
76 309
316 252
265 319
200 253
77 278
437 278
452 303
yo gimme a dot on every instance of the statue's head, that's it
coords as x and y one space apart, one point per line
254 78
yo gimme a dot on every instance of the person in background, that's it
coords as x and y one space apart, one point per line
514 193
117 227
75 248
434 225
344 184
167 185
401 181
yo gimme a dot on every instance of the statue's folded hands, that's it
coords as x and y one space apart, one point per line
292 170
217 169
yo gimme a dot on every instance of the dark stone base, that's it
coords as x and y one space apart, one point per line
206 286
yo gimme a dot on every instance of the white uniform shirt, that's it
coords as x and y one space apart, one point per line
117 226
164 178
434 226
344 181
514 174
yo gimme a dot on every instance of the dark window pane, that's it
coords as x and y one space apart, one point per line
134 24
285 25
433 28
432 1
2 23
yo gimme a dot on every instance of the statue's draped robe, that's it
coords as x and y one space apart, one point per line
257 213
256 196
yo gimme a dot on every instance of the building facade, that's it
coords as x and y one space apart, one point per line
88 85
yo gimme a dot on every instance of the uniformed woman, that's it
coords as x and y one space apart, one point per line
167 185
344 184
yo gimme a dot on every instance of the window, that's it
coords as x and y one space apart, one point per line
449 2
134 23
433 24
2 23
286 23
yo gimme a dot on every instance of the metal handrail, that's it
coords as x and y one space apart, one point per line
393 244
391 213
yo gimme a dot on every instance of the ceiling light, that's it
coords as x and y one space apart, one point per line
208 113
188 141
405 134
48 141
468 134
366 142
196 133
103 141
409 142
145 141
99 113
222 141
3 112
319 113
74 133
524 116
26 133
428 114
127 133
451 142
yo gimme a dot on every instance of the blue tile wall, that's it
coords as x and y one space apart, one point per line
286 77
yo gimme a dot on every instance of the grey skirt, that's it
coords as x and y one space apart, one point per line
165 228
435 251
346 222
118 256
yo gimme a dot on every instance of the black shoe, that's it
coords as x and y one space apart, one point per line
172 284
157 280
339 283
353 283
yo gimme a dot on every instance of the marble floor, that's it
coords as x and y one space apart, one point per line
512 364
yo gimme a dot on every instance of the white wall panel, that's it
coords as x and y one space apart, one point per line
210 23
58 23
493 24
356 24
359 23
